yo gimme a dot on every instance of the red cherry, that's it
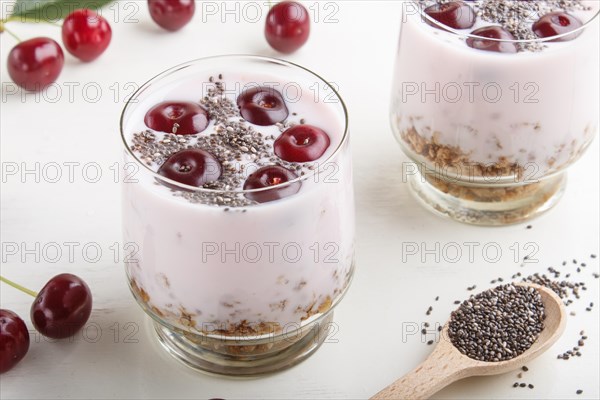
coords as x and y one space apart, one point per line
62 307
557 23
35 63
171 15
301 143
262 106
182 118
193 167
272 176
455 14
86 34
14 340
493 32
287 27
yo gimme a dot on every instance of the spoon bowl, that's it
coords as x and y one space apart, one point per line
446 364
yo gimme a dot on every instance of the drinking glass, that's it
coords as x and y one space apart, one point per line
490 135
233 286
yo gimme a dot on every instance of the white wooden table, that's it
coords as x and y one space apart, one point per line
353 44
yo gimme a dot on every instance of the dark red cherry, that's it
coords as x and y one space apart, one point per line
271 176
182 118
301 143
455 14
35 63
493 32
86 34
287 26
14 340
193 167
62 307
557 23
171 15
262 106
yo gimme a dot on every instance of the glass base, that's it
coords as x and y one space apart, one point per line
245 357
489 205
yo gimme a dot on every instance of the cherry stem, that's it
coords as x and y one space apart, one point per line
3 29
19 287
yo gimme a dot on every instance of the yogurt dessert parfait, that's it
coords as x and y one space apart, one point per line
238 197
493 100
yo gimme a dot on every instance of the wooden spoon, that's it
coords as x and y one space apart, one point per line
446 364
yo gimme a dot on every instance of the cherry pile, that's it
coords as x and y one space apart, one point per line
262 106
59 310
460 15
35 63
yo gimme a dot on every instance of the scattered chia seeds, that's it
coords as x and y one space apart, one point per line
564 289
575 351
497 324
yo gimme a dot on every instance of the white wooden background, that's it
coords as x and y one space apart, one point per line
118 357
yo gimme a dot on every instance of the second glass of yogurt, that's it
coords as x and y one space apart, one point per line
238 197
493 100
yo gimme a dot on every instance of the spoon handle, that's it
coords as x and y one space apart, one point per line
439 370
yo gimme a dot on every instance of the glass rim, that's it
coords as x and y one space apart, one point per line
458 32
188 188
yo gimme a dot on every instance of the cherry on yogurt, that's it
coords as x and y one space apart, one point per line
493 32
454 14
181 118
193 167
557 23
301 143
262 106
271 176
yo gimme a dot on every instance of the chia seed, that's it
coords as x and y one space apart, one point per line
497 324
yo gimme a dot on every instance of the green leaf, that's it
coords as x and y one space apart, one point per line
51 10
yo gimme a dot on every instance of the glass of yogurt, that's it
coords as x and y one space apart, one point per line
238 199
492 101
